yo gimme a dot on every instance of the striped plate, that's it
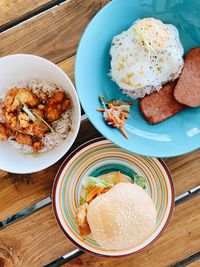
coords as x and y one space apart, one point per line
94 158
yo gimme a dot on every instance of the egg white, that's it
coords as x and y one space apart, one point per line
137 69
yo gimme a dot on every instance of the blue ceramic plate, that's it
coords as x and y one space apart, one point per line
175 136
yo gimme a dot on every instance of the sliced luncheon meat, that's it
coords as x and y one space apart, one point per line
187 90
161 105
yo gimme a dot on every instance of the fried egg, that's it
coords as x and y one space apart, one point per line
146 56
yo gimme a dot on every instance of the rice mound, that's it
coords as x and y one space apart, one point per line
141 92
138 69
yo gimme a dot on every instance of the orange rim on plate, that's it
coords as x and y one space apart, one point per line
101 155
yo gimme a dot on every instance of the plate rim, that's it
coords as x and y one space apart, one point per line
57 177
168 154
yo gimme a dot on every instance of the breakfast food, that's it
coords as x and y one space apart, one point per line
187 90
161 105
115 113
110 204
146 56
35 116
122 217
146 62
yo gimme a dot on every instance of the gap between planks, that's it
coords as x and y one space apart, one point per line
27 211
53 34
33 235
62 1
191 261
77 252
26 191
71 251
179 241
41 8
18 192
13 18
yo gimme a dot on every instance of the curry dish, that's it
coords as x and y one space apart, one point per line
27 117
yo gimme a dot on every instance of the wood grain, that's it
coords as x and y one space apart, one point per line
180 240
194 264
20 191
37 240
185 171
54 34
13 9
68 67
33 241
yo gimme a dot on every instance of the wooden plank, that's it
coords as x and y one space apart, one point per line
68 67
37 240
54 34
33 241
13 9
185 171
194 264
180 240
20 191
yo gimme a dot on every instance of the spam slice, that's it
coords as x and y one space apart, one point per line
187 90
161 105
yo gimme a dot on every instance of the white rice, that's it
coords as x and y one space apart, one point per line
36 86
127 58
62 126
141 92
19 147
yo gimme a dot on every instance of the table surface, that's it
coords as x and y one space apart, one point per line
29 235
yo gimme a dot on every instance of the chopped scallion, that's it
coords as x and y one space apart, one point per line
40 118
27 110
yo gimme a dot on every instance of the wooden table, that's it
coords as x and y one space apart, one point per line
29 235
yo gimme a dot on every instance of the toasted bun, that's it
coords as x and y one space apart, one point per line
122 217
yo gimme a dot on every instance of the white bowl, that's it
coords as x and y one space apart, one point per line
21 67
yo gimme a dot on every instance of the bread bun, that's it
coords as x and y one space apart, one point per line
122 217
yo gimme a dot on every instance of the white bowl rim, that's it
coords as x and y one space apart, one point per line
78 115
